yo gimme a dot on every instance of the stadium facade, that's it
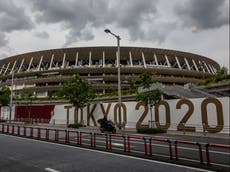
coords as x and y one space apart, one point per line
45 71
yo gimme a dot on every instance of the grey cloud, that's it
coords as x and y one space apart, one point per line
3 40
203 14
43 35
74 15
80 17
13 18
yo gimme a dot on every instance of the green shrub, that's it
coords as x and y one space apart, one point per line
150 130
76 125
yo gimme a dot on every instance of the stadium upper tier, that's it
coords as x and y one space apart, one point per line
46 70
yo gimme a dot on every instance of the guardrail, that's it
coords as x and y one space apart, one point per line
215 146
160 140
189 143
67 136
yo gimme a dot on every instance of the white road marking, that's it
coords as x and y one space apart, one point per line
114 154
118 144
51 170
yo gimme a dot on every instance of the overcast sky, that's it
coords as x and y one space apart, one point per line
196 26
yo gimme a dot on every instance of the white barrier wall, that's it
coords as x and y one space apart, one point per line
179 114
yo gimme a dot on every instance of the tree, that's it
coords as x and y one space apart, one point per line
132 86
4 96
146 80
151 97
77 91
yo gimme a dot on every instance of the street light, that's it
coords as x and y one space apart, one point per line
118 74
11 95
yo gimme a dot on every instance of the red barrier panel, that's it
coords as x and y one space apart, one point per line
189 143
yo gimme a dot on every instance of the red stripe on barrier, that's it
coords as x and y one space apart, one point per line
135 137
220 146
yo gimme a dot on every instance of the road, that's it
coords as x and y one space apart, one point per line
22 154
187 154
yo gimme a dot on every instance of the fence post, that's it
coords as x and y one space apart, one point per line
19 130
24 131
7 129
39 133
106 141
13 130
94 139
124 143
67 136
200 153
110 141
128 142
145 145
150 147
47 134
56 135
176 150
80 138
31 132
170 149
3 128
91 139
207 154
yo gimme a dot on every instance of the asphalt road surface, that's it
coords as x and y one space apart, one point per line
22 154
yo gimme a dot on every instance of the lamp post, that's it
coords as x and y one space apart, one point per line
118 74
11 95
